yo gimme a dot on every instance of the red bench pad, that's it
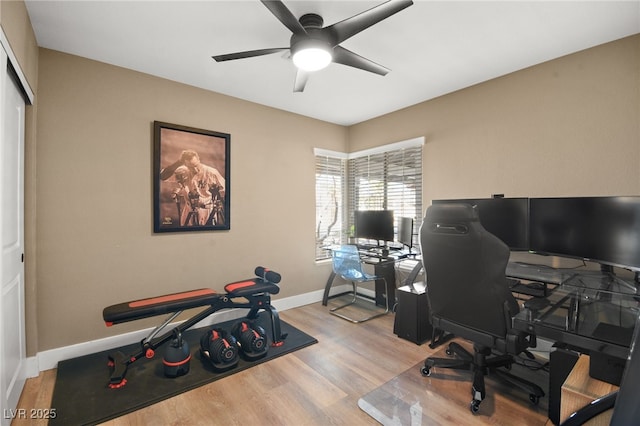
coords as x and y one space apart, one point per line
144 308
251 287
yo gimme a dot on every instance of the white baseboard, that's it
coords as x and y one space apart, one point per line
49 359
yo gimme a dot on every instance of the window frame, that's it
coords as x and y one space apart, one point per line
396 167
393 158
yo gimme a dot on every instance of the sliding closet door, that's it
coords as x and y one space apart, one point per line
12 323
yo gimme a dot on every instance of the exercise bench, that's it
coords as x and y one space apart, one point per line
253 294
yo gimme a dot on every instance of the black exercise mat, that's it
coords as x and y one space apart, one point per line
81 395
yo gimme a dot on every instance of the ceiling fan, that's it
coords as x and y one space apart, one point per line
313 47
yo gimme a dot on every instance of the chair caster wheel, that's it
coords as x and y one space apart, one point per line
425 371
535 399
475 406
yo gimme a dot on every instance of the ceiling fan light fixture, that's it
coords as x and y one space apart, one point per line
313 46
312 55
312 59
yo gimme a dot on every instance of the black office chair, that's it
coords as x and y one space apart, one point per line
469 297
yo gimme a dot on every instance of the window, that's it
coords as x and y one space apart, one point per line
330 185
383 178
388 178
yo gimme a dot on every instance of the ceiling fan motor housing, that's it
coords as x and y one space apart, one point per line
311 20
314 38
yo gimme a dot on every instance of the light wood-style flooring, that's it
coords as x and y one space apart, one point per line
317 385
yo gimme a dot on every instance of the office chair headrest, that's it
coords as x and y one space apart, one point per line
452 213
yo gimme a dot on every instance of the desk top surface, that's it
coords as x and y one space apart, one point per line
542 273
393 256
593 311
376 254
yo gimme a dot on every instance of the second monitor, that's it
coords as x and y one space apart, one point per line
405 232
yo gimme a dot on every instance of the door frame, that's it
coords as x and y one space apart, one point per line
11 76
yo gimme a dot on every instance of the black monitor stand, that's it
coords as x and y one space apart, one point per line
382 249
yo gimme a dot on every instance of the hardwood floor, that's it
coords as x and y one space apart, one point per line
317 385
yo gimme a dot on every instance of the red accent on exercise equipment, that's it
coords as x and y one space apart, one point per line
118 385
176 364
171 297
242 284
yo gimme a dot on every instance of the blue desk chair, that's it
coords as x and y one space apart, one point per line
347 264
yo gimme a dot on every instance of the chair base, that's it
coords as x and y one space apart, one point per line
481 364
334 311
439 337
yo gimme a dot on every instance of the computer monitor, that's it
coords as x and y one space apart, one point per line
600 229
405 231
374 225
506 218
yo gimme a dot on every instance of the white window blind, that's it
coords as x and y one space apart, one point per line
390 180
330 205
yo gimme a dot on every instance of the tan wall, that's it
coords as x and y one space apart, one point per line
568 127
95 241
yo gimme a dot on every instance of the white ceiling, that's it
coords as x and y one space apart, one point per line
432 47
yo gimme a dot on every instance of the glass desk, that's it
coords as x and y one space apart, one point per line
591 311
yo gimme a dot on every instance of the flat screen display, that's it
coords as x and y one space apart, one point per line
405 231
374 225
601 229
506 218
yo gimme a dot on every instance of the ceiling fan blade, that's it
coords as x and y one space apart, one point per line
285 16
248 54
301 80
349 27
347 57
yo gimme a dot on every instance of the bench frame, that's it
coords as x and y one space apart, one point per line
255 302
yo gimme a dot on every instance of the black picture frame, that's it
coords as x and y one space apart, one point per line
191 171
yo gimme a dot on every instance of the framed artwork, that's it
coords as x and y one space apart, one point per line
190 179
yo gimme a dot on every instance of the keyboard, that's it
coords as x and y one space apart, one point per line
542 273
